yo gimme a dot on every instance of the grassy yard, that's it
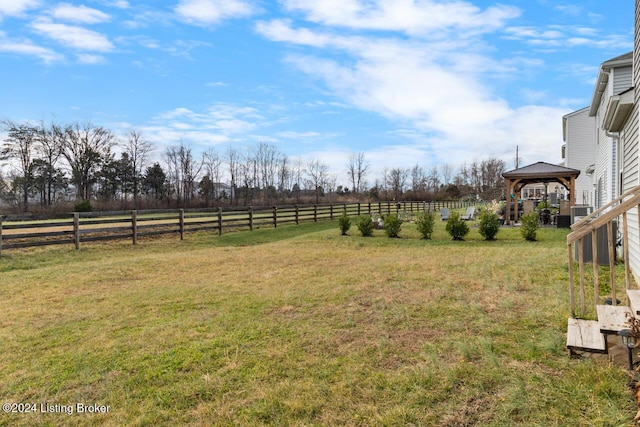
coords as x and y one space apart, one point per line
300 326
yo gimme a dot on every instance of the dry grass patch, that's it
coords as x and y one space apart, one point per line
305 328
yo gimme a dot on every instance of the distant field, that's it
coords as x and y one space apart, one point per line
299 326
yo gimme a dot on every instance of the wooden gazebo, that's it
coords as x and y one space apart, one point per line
543 172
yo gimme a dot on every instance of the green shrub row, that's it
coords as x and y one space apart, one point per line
488 225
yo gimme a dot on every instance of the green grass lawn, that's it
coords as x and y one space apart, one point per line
299 326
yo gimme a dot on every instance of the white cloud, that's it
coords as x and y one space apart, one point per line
27 48
415 17
120 4
209 12
16 7
573 10
73 36
91 59
555 36
218 124
216 84
436 93
297 135
79 14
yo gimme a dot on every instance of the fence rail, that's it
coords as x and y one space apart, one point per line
98 226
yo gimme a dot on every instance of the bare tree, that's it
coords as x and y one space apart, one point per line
137 149
85 148
248 169
434 178
267 158
357 168
418 180
317 175
284 174
233 160
296 178
212 168
397 181
331 183
19 146
49 149
492 181
182 172
446 170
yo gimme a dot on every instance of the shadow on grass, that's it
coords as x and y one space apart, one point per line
260 236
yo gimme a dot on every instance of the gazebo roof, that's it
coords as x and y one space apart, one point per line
541 171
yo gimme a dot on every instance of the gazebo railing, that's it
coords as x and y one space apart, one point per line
590 225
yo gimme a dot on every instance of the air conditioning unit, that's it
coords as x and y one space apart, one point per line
580 211
602 237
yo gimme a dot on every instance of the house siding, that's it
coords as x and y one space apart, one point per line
580 152
630 143
629 180
622 79
604 161
608 164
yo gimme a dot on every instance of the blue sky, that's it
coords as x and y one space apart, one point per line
405 81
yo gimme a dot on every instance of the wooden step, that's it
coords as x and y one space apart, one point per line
585 335
612 318
634 300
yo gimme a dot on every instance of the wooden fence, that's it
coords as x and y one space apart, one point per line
96 226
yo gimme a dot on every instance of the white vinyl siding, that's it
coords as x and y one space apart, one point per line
622 79
580 152
629 180
604 162
630 140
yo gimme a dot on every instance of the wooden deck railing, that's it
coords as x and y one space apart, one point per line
95 226
590 225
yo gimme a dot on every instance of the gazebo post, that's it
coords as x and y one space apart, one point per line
508 210
515 205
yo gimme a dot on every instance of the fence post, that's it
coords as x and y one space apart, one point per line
250 218
331 212
297 215
220 221
369 208
315 213
76 229
134 226
0 234
358 208
181 223
275 217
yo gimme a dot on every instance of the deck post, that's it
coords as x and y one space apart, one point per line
625 231
612 263
594 261
581 268
572 298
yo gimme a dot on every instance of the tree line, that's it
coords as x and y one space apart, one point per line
51 166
